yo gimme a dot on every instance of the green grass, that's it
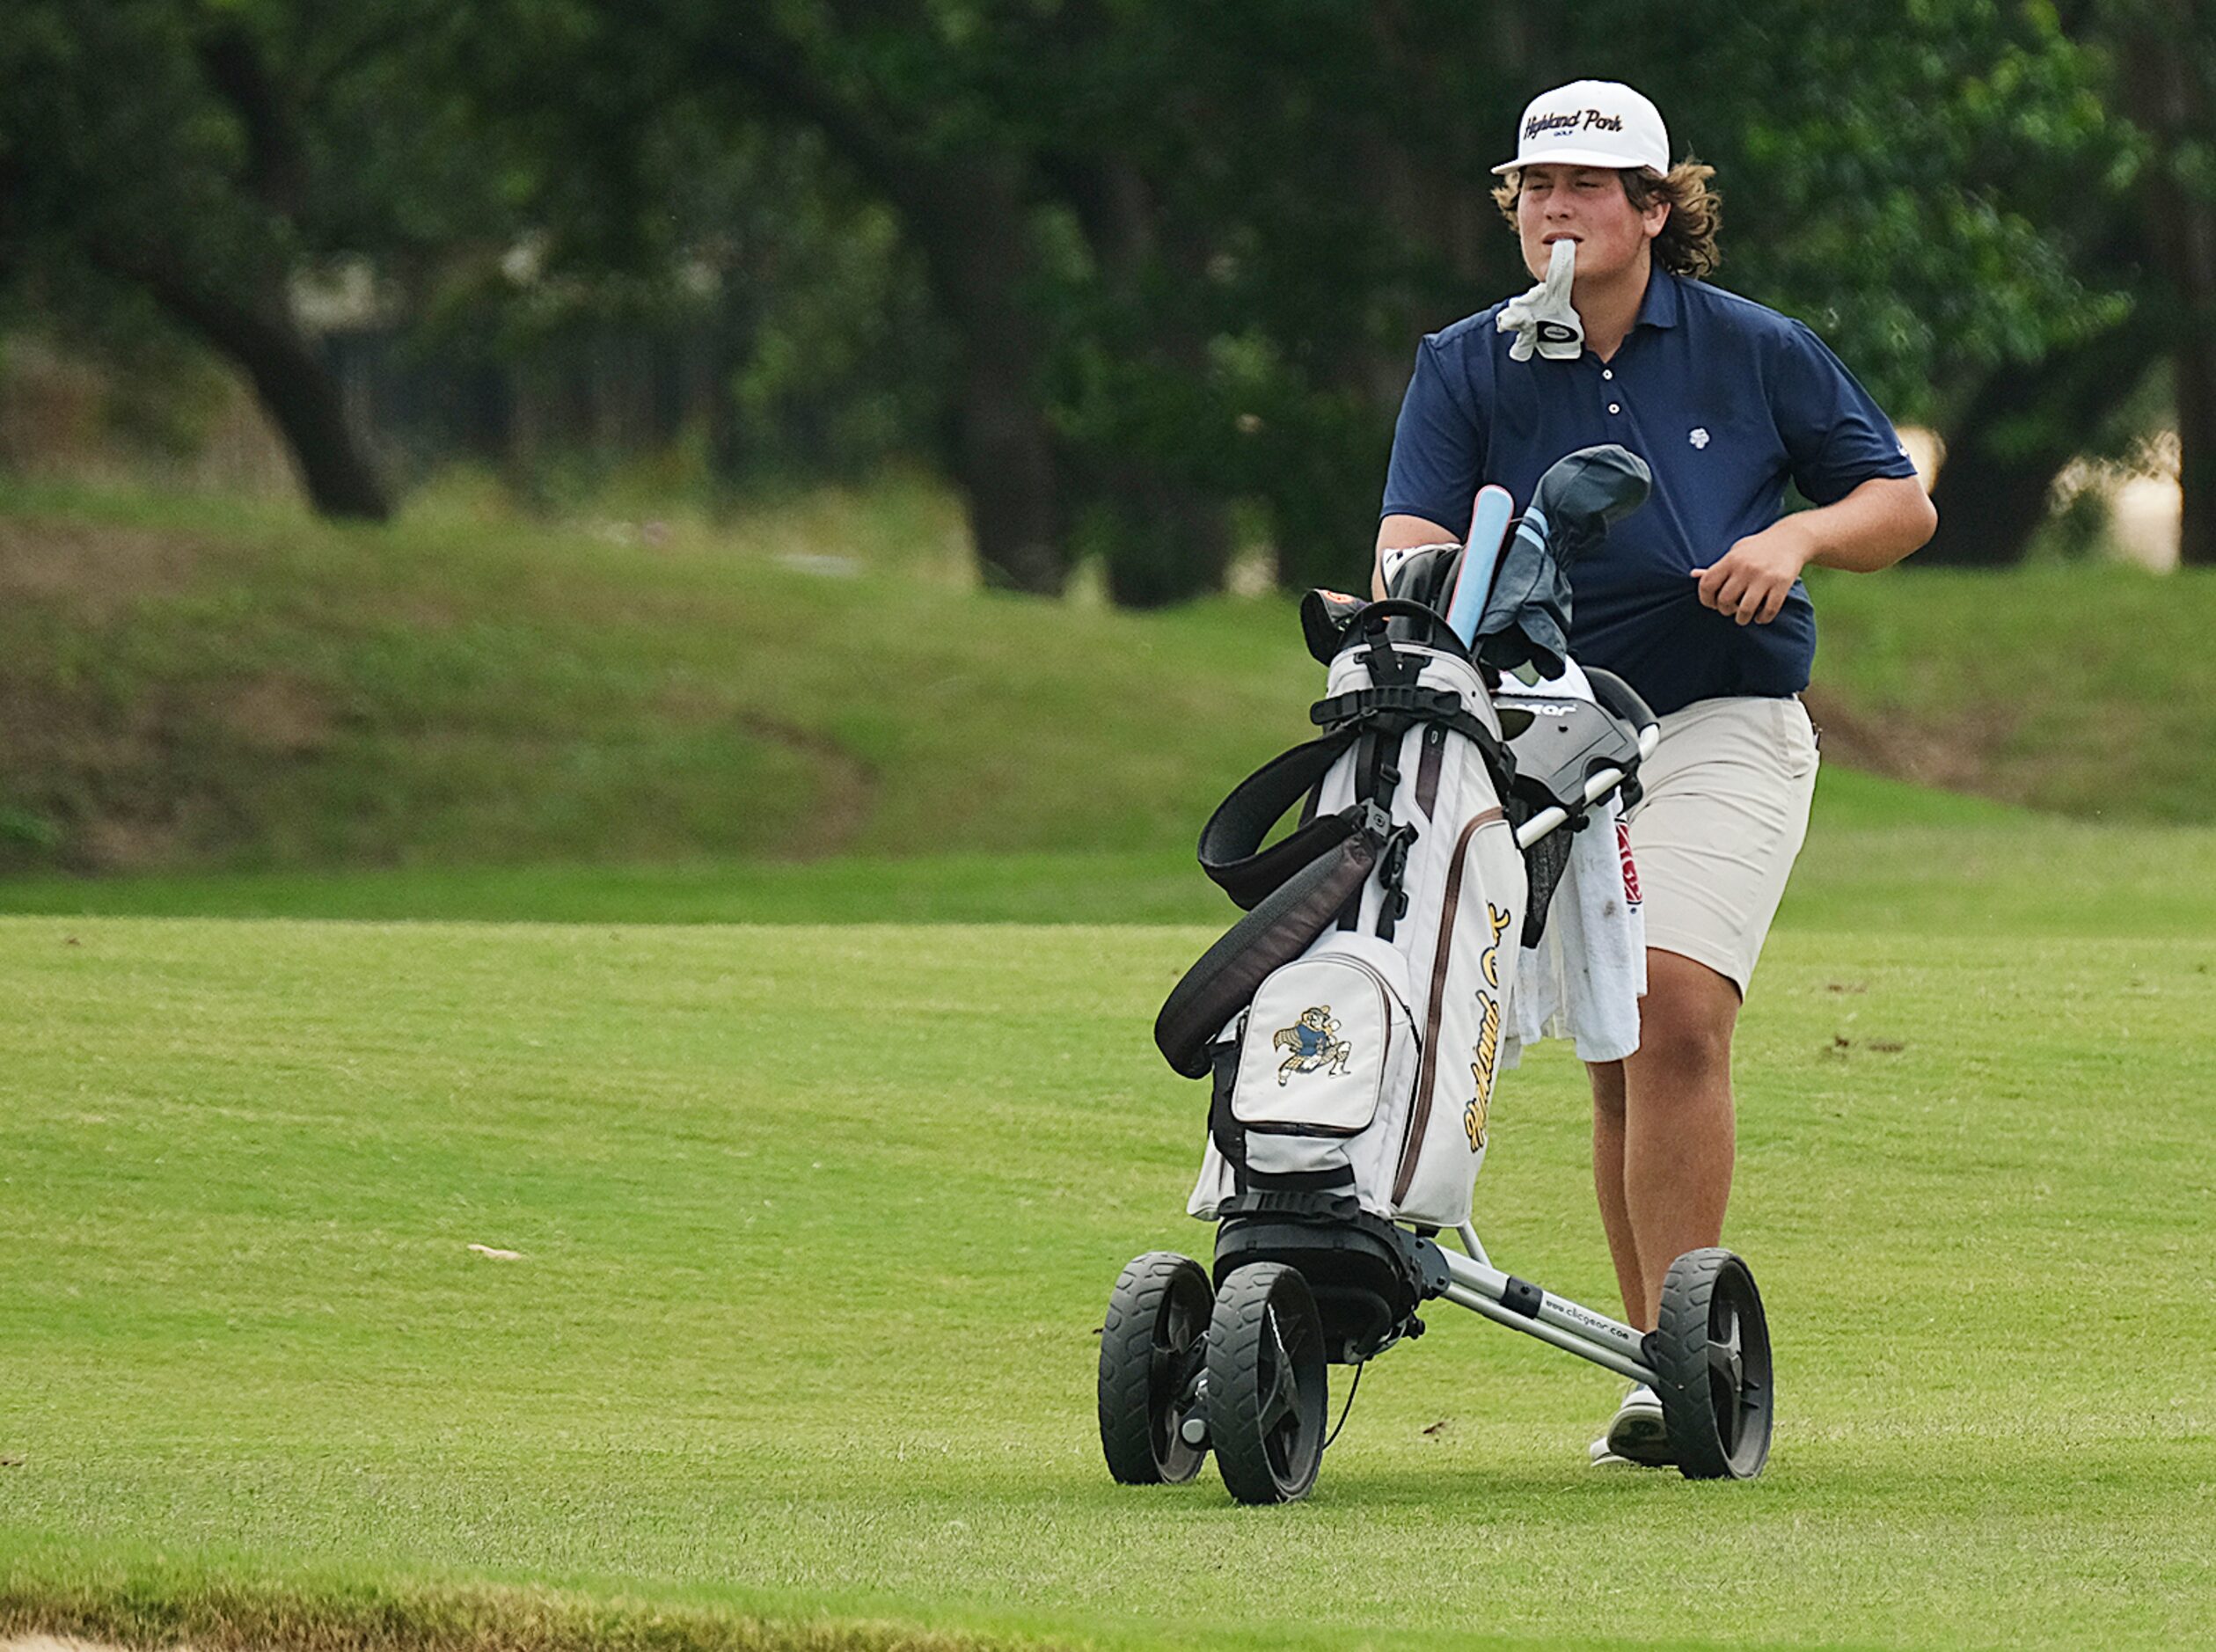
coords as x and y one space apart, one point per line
817 1097
815 1222
1880 854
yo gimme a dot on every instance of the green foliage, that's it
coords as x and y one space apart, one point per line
1214 232
222 142
1929 194
790 305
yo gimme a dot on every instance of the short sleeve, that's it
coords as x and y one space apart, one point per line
1836 438
1438 445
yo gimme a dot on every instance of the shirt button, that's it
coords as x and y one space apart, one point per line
1607 372
1615 406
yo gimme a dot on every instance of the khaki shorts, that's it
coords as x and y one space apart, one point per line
1725 809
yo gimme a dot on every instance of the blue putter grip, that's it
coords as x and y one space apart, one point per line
1489 530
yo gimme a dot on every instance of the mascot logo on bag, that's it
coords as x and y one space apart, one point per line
1314 1042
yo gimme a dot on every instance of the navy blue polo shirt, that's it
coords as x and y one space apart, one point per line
1724 400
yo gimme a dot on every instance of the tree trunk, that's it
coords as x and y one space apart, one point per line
969 217
1005 457
2181 222
1161 539
2196 367
2026 422
966 212
294 384
2185 240
1166 542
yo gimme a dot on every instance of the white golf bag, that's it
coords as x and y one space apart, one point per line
1352 1023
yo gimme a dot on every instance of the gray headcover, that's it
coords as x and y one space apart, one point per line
1526 618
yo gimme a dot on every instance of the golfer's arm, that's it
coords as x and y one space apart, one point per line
1872 528
1395 533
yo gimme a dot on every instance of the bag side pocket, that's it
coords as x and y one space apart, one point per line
1328 1041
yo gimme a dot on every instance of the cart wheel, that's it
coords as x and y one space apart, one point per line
1266 1384
1150 1354
1712 1365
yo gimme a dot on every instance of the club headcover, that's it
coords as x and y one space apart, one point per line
1585 494
1526 618
1324 619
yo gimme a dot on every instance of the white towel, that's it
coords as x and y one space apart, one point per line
1584 979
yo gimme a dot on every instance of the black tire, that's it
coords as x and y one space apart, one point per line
1265 1384
1712 1367
1149 1363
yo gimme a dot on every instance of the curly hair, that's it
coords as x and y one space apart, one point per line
1686 245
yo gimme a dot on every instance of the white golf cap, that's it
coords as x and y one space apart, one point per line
1591 123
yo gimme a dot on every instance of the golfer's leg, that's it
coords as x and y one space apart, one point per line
1677 1126
1608 1183
1727 803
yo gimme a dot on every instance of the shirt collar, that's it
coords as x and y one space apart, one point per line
1660 306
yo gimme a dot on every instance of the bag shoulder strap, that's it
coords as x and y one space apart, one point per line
1231 850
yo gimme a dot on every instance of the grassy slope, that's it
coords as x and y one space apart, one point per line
2088 690
463 710
217 688
814 1223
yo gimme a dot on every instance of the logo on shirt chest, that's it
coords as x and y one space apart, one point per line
1697 436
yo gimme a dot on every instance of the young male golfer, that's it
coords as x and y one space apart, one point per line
1694 600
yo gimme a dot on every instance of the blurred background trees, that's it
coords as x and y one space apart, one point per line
1141 281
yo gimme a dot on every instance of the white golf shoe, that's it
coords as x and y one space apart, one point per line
1637 1436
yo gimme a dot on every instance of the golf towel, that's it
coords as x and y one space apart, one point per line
1584 979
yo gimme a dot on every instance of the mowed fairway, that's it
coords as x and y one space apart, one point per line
814 1226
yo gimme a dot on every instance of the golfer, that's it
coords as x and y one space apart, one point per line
1695 600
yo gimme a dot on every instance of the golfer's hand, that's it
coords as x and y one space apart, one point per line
1752 580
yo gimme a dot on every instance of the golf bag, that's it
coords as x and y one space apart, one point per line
1350 1024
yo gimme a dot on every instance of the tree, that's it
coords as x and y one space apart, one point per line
1181 255
2142 226
2165 51
206 155
892 92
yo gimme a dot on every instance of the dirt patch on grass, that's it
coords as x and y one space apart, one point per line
845 787
160 779
278 714
223 1618
1958 755
97 779
92 572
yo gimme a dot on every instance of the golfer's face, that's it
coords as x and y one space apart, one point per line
1587 205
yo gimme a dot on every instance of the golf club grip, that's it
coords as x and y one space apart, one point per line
1489 528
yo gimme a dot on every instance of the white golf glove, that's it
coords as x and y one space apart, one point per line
1543 318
